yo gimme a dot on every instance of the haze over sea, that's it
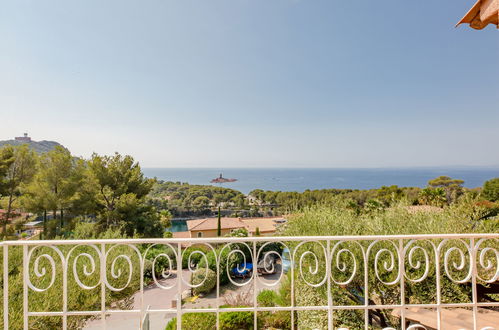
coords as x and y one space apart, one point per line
300 179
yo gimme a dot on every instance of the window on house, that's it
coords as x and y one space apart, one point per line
200 234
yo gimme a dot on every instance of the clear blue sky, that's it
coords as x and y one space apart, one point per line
253 83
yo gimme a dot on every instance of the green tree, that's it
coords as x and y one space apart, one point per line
121 191
432 196
201 203
219 223
166 218
453 187
56 185
6 159
19 173
490 190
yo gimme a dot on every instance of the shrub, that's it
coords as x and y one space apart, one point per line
162 262
267 298
194 321
235 259
236 320
148 268
195 257
490 190
207 277
275 320
337 219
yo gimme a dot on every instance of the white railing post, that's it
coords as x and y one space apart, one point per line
5 287
64 293
329 295
473 282
25 286
439 289
292 258
402 282
103 285
179 286
217 261
255 293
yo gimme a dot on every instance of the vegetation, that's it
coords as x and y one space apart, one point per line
241 320
37 146
203 280
19 172
78 298
109 190
491 190
337 218
109 197
185 200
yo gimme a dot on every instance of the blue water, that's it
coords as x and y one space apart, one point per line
178 225
285 179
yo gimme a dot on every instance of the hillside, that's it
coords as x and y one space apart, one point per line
38 146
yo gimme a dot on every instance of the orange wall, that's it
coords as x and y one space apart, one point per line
209 233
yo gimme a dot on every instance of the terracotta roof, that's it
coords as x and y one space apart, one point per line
263 224
212 224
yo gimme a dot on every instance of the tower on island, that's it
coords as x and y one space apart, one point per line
24 138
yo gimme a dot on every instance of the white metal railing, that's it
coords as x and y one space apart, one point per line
376 270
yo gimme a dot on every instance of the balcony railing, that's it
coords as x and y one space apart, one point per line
380 282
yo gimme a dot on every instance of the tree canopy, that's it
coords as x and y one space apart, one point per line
490 190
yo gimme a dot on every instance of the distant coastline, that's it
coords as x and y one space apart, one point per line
300 179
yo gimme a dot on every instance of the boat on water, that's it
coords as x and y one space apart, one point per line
221 179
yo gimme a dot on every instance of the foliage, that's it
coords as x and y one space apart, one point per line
337 219
281 202
183 199
236 320
39 147
225 262
121 190
267 298
55 187
205 278
165 218
453 187
433 196
195 257
162 257
6 159
78 299
270 298
19 165
194 321
490 190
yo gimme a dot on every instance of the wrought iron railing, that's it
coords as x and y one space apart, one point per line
348 282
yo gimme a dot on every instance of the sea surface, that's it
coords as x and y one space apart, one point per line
300 179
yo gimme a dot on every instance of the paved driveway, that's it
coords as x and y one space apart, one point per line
158 298
154 297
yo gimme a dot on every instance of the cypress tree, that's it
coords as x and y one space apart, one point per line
219 223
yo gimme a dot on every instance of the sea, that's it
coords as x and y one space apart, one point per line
301 179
